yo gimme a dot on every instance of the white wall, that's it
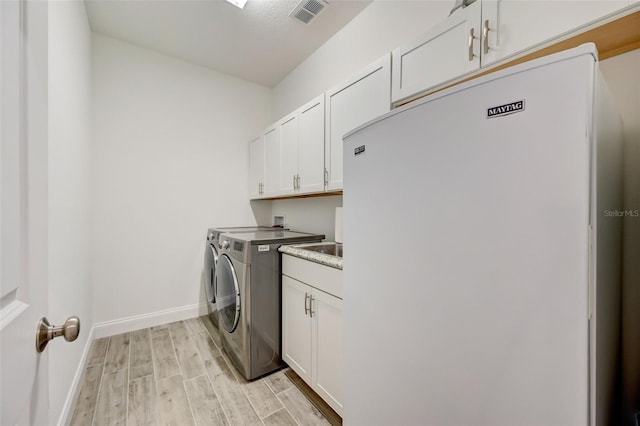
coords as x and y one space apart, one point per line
170 142
377 30
309 214
623 76
70 285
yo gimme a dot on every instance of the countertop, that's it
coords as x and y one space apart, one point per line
312 256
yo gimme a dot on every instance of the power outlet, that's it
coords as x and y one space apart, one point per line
279 221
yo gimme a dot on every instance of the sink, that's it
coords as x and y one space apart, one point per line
332 249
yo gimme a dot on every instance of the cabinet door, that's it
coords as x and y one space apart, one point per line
361 99
288 154
443 53
516 25
311 146
328 353
256 159
296 327
271 161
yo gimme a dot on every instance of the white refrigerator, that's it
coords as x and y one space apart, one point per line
483 239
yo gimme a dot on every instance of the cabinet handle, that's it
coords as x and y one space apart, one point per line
298 181
485 37
471 38
294 182
311 306
326 177
306 297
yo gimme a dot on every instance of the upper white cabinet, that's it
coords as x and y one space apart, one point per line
271 162
311 147
256 167
288 154
516 25
448 50
302 149
483 33
264 167
358 100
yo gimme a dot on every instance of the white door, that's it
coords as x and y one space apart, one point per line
23 214
296 326
444 52
364 97
328 355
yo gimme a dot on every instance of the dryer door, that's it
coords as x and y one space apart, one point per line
227 294
210 260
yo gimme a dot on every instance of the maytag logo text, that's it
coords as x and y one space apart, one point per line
506 109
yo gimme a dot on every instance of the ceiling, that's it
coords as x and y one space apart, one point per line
259 43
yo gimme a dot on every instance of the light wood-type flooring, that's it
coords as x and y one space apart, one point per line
176 374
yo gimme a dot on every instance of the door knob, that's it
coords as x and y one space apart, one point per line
70 330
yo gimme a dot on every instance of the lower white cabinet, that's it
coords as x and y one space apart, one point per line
326 338
312 337
296 327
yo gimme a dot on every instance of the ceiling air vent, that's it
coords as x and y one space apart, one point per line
306 10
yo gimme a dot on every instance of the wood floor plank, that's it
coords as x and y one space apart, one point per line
164 357
262 399
159 327
205 405
280 418
172 404
206 347
189 359
278 381
118 353
195 325
141 409
111 408
212 329
300 408
87 397
140 362
98 351
235 403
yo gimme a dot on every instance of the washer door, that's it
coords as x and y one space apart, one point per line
210 261
227 294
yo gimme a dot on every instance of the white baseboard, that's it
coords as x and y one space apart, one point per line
69 403
124 325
